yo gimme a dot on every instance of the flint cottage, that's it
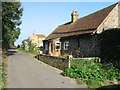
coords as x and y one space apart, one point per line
80 34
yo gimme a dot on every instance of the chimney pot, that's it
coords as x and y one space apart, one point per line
74 16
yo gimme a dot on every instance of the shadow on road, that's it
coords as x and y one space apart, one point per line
12 51
110 87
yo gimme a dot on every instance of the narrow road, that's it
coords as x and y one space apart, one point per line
26 72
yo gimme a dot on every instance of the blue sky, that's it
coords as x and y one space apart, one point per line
44 17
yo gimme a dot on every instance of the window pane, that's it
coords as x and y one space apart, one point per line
66 45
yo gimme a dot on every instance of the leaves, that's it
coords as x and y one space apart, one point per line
11 15
110 46
91 72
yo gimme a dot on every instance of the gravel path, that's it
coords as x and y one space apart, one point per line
26 72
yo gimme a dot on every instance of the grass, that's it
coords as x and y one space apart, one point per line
3 73
28 52
1 83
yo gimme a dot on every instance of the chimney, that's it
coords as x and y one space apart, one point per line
74 16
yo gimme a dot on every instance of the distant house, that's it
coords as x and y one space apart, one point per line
81 34
37 39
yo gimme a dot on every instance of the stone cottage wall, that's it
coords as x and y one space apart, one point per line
111 20
119 15
88 45
73 45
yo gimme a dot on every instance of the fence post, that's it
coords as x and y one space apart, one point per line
69 58
68 63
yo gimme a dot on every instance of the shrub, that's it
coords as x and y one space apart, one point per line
110 46
91 72
65 55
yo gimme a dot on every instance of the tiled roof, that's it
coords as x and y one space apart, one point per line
87 24
41 35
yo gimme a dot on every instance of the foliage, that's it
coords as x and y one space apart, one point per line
110 46
23 44
78 52
25 51
28 47
3 72
31 46
11 15
65 55
91 72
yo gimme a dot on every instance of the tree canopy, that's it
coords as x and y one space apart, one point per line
11 19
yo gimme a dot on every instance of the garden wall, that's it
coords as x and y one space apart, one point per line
58 62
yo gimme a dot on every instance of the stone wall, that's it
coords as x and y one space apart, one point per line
73 45
88 44
111 21
58 62
119 15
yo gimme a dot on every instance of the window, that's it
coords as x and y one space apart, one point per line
66 45
105 28
58 45
50 47
46 46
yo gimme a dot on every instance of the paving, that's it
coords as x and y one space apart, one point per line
24 71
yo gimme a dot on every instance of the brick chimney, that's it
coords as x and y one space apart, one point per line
74 16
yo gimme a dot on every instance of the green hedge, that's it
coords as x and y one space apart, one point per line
110 46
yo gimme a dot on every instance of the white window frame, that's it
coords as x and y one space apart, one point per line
57 44
66 47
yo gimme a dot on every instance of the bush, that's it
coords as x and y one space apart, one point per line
110 46
91 72
65 55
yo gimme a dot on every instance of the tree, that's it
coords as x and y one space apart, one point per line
23 44
11 19
31 45
27 44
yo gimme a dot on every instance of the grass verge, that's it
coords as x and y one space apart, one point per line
28 52
3 73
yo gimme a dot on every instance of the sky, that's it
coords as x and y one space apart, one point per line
44 17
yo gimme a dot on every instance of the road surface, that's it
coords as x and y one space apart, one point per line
26 72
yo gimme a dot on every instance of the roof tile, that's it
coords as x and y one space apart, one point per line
87 24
